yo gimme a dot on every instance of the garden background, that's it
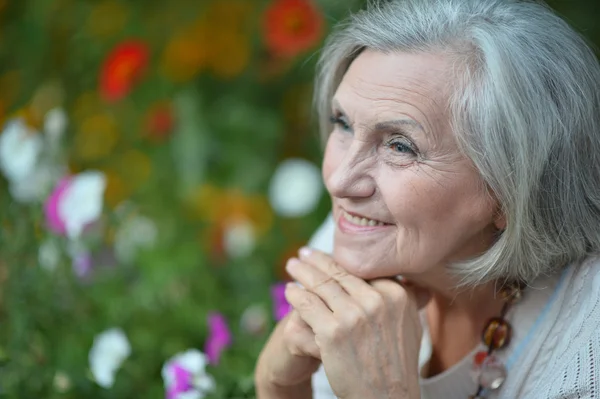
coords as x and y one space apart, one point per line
159 164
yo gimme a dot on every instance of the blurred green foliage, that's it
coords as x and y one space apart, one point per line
192 143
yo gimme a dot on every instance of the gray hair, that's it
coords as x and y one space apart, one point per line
525 109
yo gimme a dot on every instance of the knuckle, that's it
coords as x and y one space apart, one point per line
374 304
353 317
398 295
332 333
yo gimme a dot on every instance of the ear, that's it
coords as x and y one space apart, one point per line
500 220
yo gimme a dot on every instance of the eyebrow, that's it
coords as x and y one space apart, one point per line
398 123
387 125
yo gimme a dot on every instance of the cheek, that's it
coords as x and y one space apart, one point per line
333 156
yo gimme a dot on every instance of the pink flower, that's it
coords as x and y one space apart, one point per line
219 337
75 203
185 376
182 381
281 307
54 221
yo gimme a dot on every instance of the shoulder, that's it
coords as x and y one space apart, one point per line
322 239
568 362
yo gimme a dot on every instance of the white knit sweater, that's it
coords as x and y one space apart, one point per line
555 349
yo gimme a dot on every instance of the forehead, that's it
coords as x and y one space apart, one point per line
397 81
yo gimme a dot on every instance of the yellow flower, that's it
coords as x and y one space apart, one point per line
230 24
229 54
222 207
107 19
96 137
135 167
116 190
185 54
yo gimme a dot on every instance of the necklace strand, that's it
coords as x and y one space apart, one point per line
489 372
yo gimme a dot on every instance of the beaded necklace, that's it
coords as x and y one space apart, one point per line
488 370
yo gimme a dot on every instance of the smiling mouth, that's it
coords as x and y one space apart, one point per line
361 221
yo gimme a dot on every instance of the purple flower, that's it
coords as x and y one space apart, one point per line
281 307
182 381
185 376
219 337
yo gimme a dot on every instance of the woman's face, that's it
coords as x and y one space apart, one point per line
405 200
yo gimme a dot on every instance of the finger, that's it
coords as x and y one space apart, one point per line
299 337
355 286
309 306
314 280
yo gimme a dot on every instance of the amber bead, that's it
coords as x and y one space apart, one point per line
497 333
479 358
512 293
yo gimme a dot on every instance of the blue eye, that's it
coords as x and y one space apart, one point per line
341 122
401 147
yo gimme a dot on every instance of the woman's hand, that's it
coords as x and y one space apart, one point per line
368 333
288 360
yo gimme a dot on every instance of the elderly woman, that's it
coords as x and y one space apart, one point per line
463 154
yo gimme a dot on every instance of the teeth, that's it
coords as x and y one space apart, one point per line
361 221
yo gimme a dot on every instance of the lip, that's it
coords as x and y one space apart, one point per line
346 226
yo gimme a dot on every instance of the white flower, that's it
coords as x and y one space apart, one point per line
184 370
55 124
295 188
239 239
38 184
108 352
81 203
135 233
20 148
254 320
49 255
62 382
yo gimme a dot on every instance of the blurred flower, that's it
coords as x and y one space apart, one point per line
122 69
225 207
84 261
75 203
96 137
219 337
133 234
20 148
185 54
239 238
295 188
55 124
185 376
107 18
254 320
62 383
109 351
229 53
49 254
82 264
134 166
292 26
48 96
281 307
159 122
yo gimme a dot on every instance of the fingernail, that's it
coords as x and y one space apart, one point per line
290 286
305 251
291 264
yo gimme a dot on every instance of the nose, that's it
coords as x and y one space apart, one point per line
351 177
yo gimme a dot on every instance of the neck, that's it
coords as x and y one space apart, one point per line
456 320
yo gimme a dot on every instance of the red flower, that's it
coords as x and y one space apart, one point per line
292 26
122 69
159 122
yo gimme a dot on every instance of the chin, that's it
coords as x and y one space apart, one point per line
362 264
